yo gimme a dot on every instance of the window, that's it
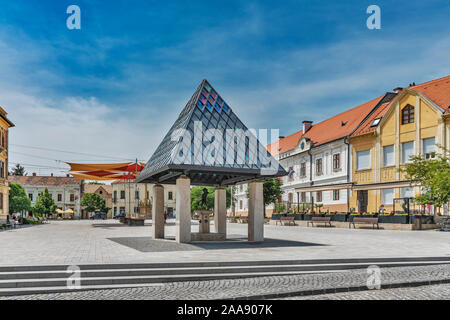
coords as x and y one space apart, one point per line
303 169
335 194
375 122
136 209
72 197
136 194
429 148
336 161
170 195
363 160
319 166
388 197
240 204
408 114
319 196
115 211
407 151
407 192
388 156
1 200
59 197
303 196
122 194
2 169
30 195
115 195
122 210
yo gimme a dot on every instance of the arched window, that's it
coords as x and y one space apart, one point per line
408 114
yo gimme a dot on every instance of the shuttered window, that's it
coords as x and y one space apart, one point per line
388 155
363 160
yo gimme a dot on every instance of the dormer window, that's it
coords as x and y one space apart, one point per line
408 114
375 122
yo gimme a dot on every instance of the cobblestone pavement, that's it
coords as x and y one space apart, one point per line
87 241
260 287
435 292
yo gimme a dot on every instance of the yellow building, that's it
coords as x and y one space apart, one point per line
413 121
5 124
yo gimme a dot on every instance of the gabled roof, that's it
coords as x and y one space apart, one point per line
222 166
43 181
330 129
92 188
437 91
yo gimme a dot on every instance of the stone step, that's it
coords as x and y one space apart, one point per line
25 268
8 277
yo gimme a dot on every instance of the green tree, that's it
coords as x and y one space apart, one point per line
196 198
45 204
18 200
434 177
18 170
93 202
271 191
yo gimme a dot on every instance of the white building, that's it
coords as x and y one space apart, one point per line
65 191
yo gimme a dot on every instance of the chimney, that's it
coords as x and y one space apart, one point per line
34 174
306 126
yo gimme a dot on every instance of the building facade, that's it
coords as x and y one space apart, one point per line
317 157
415 122
5 124
65 191
136 199
104 191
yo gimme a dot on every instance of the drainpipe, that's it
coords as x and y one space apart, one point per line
348 171
310 178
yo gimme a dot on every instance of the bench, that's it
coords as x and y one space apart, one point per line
325 220
360 220
289 220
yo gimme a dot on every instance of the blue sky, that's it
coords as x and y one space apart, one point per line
114 87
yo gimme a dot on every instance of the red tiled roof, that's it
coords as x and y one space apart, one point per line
437 91
92 188
366 126
330 129
43 180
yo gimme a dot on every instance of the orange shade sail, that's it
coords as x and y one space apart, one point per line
97 167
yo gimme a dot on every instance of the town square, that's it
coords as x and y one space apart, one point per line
224 161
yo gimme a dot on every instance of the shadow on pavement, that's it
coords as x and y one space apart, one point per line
147 244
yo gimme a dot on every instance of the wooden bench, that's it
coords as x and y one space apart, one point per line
325 220
361 220
289 220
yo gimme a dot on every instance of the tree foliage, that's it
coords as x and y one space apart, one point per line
434 177
18 170
18 200
44 205
93 202
196 198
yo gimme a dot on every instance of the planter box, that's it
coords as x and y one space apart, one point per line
400 219
425 219
298 216
338 217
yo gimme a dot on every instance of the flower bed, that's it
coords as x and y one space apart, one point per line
396 218
340 217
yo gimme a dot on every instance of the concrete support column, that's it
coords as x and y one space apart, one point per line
220 210
158 211
183 207
256 212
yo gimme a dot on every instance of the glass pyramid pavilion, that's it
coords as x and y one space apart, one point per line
211 145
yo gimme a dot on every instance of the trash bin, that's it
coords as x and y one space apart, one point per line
417 222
